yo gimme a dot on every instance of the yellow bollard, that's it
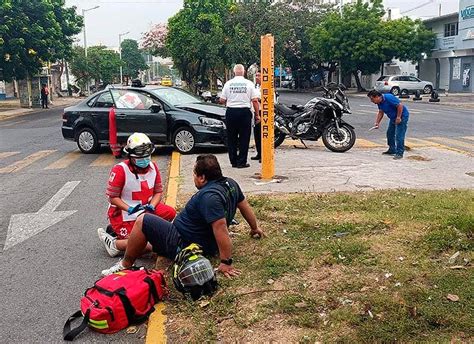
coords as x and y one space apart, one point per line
267 105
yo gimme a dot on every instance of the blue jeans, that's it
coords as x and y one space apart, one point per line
396 136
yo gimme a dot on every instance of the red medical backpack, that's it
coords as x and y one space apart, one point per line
118 301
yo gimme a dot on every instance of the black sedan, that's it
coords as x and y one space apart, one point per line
169 116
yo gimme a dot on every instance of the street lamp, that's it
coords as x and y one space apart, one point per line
120 54
85 39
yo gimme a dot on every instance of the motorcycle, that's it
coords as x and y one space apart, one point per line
319 117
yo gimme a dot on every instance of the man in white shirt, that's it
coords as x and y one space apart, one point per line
239 95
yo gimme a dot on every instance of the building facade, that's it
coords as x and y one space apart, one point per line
449 66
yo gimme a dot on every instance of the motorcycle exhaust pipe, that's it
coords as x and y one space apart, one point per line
282 128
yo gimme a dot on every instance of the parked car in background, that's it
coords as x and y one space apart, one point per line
168 115
402 84
166 81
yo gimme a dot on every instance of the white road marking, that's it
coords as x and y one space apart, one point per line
24 226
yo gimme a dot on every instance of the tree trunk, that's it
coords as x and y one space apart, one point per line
357 79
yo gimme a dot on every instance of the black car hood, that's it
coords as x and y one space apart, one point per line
207 109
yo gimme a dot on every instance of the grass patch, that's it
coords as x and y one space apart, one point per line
345 267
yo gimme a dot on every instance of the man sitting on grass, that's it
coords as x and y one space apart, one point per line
204 221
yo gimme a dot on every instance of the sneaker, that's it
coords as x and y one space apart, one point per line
397 157
109 242
388 153
114 269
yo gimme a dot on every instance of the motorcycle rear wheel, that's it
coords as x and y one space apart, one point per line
340 141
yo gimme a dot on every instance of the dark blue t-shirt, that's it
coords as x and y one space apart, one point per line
389 106
216 200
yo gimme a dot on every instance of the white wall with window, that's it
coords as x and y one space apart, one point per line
450 63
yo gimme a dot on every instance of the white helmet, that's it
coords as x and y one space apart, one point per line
139 146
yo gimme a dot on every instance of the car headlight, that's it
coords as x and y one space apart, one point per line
211 122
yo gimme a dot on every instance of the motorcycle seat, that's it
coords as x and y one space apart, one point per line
285 110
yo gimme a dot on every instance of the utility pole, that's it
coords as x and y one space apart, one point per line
340 63
120 54
85 42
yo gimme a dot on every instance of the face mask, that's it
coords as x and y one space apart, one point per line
142 163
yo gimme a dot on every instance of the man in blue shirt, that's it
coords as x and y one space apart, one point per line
204 221
397 127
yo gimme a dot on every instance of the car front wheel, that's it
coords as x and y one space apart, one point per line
395 91
87 141
427 89
184 140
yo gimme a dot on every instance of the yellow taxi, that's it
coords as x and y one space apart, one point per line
166 81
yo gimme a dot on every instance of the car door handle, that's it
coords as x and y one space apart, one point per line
120 116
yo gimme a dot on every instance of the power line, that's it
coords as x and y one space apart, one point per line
417 7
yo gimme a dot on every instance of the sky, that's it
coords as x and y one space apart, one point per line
114 17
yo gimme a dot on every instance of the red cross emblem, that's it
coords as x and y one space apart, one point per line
144 194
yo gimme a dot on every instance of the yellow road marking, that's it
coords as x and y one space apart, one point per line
362 143
21 164
7 154
156 324
104 160
413 142
297 143
453 142
468 138
65 161
439 145
173 176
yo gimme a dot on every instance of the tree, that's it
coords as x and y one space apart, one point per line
300 17
154 40
33 32
195 38
101 64
132 59
362 41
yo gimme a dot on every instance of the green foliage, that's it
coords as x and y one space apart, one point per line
101 64
33 32
195 37
207 37
132 59
361 40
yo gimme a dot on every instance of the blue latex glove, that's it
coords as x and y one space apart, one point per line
150 208
134 209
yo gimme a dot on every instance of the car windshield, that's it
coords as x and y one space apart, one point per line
383 78
175 97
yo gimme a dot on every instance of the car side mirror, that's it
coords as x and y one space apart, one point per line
155 108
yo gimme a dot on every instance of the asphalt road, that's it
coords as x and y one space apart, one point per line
426 119
44 276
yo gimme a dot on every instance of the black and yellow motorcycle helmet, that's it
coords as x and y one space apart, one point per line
193 274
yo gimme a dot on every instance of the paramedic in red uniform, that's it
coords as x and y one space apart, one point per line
134 187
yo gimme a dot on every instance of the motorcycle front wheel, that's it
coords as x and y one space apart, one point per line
339 141
278 138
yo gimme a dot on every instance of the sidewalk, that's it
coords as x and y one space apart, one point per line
11 108
318 170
